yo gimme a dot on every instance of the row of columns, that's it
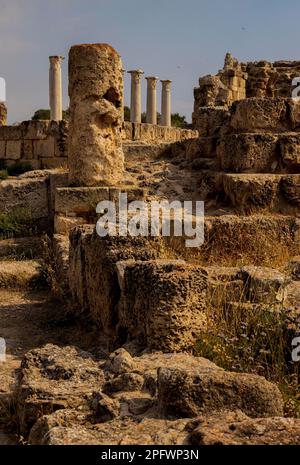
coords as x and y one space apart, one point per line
151 112
55 95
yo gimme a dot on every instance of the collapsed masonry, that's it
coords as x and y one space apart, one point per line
237 81
152 296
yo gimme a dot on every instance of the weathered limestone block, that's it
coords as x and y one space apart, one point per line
202 147
188 393
34 130
44 148
96 95
163 304
239 153
117 432
211 92
53 378
265 285
79 199
28 194
272 192
172 388
27 150
120 362
290 189
236 428
93 274
3 114
249 192
13 149
209 120
57 179
254 237
289 147
256 115
13 133
141 149
229 428
64 224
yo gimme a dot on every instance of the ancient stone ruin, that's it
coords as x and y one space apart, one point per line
140 339
95 154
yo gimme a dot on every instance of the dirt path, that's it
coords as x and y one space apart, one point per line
29 320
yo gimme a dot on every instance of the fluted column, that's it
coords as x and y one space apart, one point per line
166 103
136 97
151 117
55 92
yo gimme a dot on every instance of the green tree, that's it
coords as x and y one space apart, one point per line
178 121
126 113
44 114
41 114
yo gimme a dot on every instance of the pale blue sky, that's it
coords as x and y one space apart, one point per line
173 39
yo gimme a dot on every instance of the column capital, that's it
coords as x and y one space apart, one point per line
136 74
56 58
136 71
152 81
166 83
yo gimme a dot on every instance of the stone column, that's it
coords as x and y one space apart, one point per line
151 100
166 103
96 94
136 98
55 92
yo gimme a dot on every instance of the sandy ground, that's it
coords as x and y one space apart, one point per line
29 320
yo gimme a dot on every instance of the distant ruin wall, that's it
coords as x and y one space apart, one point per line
153 133
43 144
237 81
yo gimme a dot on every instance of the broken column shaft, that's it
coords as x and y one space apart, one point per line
96 95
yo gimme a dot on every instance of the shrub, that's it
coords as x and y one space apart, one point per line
253 338
18 168
3 174
17 223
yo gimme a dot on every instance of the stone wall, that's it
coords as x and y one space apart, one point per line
43 144
153 133
254 135
237 81
136 290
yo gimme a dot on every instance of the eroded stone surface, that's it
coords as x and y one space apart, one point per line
96 95
188 393
236 428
